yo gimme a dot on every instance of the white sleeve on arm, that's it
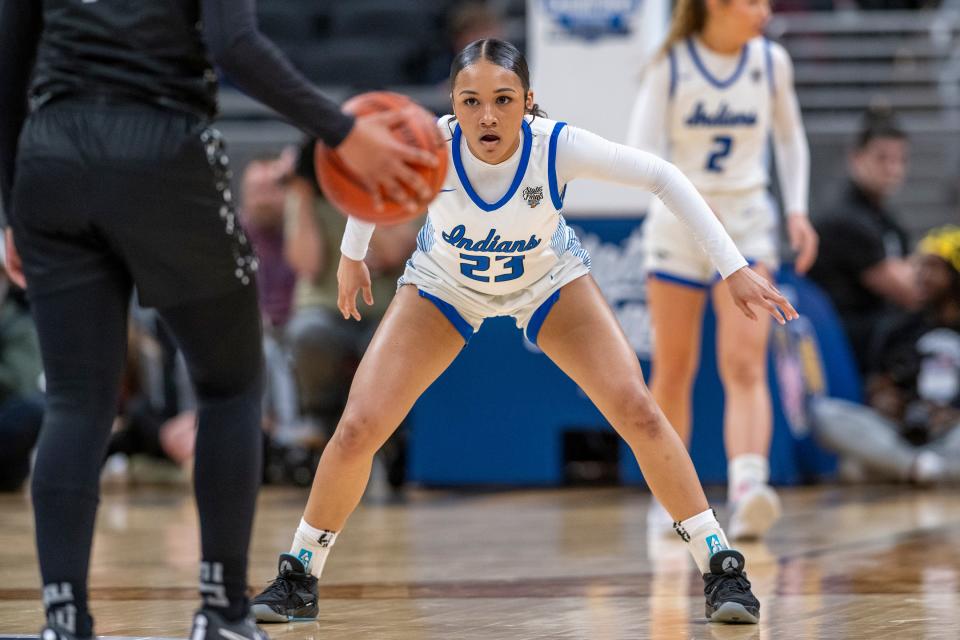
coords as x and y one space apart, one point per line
789 137
581 154
356 238
647 129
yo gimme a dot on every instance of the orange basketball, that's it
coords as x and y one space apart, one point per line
341 187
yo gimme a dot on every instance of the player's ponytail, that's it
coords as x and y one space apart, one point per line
689 17
500 53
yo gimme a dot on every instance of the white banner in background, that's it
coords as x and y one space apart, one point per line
586 57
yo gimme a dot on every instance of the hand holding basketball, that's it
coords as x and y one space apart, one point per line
391 165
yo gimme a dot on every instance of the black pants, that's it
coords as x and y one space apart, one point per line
108 197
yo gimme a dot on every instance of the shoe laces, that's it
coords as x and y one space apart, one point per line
282 586
727 585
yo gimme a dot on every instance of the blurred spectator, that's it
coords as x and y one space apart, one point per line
897 5
265 183
156 420
803 6
862 264
21 405
325 347
911 428
466 22
263 191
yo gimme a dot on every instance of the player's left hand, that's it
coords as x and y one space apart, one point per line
353 277
803 240
750 288
13 266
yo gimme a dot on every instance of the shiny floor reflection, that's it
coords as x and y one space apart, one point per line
857 563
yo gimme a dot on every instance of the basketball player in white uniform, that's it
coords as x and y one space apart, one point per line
495 244
710 102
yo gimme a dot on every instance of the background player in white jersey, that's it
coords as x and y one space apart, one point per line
709 102
496 244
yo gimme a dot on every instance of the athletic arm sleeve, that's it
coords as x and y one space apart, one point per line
20 24
647 129
581 154
789 137
356 238
261 71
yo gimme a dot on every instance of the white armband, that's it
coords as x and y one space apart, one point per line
356 238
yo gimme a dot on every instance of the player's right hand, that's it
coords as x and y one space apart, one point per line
382 163
352 276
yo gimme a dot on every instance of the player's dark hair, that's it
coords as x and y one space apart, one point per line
500 53
878 122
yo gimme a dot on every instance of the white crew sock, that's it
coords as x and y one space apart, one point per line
704 537
744 472
312 546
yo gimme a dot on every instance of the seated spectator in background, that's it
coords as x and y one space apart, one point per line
326 348
466 22
910 429
263 192
21 403
155 428
862 264
264 189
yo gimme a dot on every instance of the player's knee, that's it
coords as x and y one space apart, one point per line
357 435
227 380
676 372
742 369
643 418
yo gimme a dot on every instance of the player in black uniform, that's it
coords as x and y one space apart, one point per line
115 179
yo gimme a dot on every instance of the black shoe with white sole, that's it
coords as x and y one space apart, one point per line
727 589
291 597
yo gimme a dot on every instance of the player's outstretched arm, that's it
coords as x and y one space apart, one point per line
749 288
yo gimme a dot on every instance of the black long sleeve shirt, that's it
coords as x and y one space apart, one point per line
160 52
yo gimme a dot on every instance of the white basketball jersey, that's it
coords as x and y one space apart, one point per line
502 246
719 126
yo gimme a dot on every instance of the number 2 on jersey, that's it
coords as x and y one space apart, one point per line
472 265
722 145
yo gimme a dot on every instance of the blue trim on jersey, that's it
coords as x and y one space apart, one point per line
719 84
536 320
463 327
769 61
672 58
685 282
558 242
517 179
426 237
556 196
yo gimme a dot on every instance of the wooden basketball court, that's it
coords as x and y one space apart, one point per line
872 562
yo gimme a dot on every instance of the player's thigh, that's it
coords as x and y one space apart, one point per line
413 345
740 340
676 316
582 336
